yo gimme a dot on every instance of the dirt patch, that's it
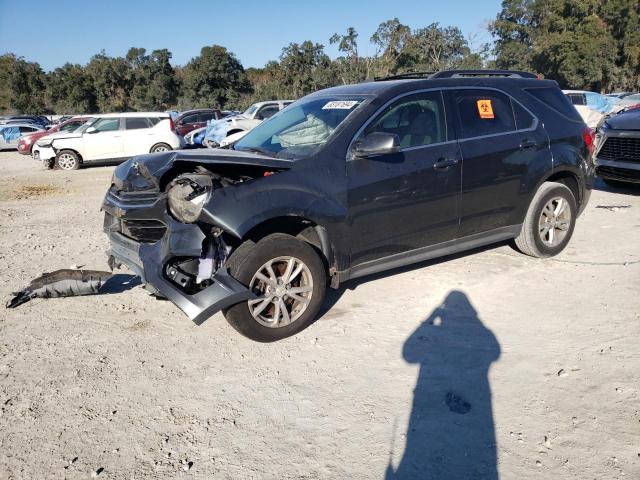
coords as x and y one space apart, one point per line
27 192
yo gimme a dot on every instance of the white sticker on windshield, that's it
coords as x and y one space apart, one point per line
340 105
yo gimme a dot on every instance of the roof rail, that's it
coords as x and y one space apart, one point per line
483 73
409 75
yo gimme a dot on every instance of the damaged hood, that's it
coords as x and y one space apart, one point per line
60 135
625 121
144 172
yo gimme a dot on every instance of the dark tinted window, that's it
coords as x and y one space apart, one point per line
27 129
524 119
206 116
193 118
154 120
553 98
136 123
577 98
71 126
416 119
484 112
267 111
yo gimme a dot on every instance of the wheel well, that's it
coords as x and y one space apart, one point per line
570 181
299 227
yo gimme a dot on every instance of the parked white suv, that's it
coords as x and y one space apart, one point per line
109 138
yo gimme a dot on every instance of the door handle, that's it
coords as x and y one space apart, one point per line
444 163
527 143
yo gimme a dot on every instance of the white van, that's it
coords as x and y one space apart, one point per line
112 138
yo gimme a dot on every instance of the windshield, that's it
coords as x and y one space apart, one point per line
85 125
249 111
297 131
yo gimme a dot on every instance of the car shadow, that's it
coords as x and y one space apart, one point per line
624 188
450 433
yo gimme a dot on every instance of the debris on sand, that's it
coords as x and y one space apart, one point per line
61 283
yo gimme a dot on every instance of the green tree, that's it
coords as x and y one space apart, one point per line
305 68
153 79
22 85
112 81
70 90
215 78
587 44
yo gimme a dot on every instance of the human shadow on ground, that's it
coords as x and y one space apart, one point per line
451 432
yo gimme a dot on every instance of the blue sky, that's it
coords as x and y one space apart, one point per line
55 32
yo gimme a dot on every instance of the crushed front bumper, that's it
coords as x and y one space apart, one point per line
43 153
149 259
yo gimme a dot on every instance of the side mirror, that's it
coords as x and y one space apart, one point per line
91 130
376 143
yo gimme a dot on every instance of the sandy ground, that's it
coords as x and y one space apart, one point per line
484 365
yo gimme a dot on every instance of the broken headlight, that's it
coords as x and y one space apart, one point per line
187 196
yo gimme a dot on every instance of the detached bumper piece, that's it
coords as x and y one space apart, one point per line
166 255
62 283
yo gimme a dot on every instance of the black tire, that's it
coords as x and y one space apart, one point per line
67 160
248 259
160 147
530 240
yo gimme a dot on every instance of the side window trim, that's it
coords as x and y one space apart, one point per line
381 109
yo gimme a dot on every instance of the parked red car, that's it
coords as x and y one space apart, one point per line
26 143
192 119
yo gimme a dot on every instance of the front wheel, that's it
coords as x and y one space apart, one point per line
550 221
289 280
67 160
160 147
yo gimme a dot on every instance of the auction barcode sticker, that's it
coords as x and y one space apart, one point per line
340 105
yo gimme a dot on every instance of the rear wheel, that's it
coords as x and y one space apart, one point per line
549 223
289 280
67 160
160 147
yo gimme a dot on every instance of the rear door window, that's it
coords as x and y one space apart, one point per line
417 120
484 112
136 123
524 120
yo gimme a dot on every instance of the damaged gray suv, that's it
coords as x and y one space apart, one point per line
347 182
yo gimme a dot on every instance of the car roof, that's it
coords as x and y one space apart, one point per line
14 125
259 104
578 91
132 114
397 86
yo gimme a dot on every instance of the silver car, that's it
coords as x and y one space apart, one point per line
10 133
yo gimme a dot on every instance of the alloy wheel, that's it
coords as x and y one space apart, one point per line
66 161
284 287
555 221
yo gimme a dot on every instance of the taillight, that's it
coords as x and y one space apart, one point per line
172 125
588 135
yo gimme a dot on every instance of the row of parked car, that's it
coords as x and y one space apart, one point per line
115 137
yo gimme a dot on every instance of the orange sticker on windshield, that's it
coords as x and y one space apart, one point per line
485 109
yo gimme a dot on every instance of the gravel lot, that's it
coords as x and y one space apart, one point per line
484 365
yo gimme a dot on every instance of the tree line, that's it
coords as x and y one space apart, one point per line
584 44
